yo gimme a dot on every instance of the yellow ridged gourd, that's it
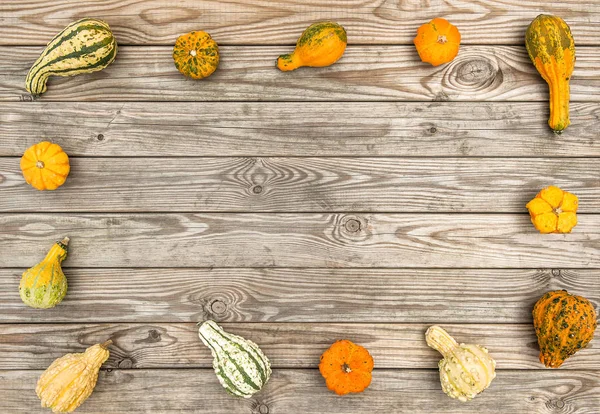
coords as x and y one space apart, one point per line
71 379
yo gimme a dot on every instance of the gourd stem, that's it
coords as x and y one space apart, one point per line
440 340
65 241
106 344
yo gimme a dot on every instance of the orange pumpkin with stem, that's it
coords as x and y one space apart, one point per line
437 41
45 166
346 367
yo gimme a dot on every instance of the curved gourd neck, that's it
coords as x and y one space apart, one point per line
288 62
559 106
58 251
440 340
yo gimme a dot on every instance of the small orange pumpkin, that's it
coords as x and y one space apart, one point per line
437 41
45 166
196 55
346 367
553 210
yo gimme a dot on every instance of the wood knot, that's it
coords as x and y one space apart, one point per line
352 225
257 189
100 137
476 71
218 307
259 408
125 363
432 130
26 98
556 272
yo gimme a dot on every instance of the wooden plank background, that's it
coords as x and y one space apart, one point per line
366 200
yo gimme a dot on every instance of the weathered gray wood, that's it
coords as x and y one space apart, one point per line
299 240
365 73
288 345
299 129
282 21
298 295
467 185
304 391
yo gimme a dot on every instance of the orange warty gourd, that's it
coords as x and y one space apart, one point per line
553 210
552 50
321 44
45 166
196 55
437 41
564 324
346 367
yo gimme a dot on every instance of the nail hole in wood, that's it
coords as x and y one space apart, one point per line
100 137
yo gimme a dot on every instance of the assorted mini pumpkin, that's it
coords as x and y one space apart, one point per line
196 55
346 367
437 42
45 166
563 323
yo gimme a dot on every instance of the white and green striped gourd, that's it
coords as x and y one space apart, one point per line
84 46
240 365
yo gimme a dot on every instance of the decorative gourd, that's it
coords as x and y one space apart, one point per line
466 370
240 365
196 55
564 324
551 48
44 285
553 210
321 44
71 379
346 367
45 166
437 41
84 46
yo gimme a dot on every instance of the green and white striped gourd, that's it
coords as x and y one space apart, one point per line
84 46
240 365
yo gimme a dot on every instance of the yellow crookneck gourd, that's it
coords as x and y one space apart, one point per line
45 285
71 379
466 370
551 48
321 44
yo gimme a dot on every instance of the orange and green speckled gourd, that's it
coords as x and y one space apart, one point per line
321 44
45 285
564 324
552 50
196 55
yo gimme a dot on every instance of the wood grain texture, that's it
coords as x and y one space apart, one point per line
288 345
299 240
27 22
303 391
470 185
299 129
299 295
385 73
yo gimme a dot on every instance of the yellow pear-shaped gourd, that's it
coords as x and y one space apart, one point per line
466 370
45 285
321 44
71 379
